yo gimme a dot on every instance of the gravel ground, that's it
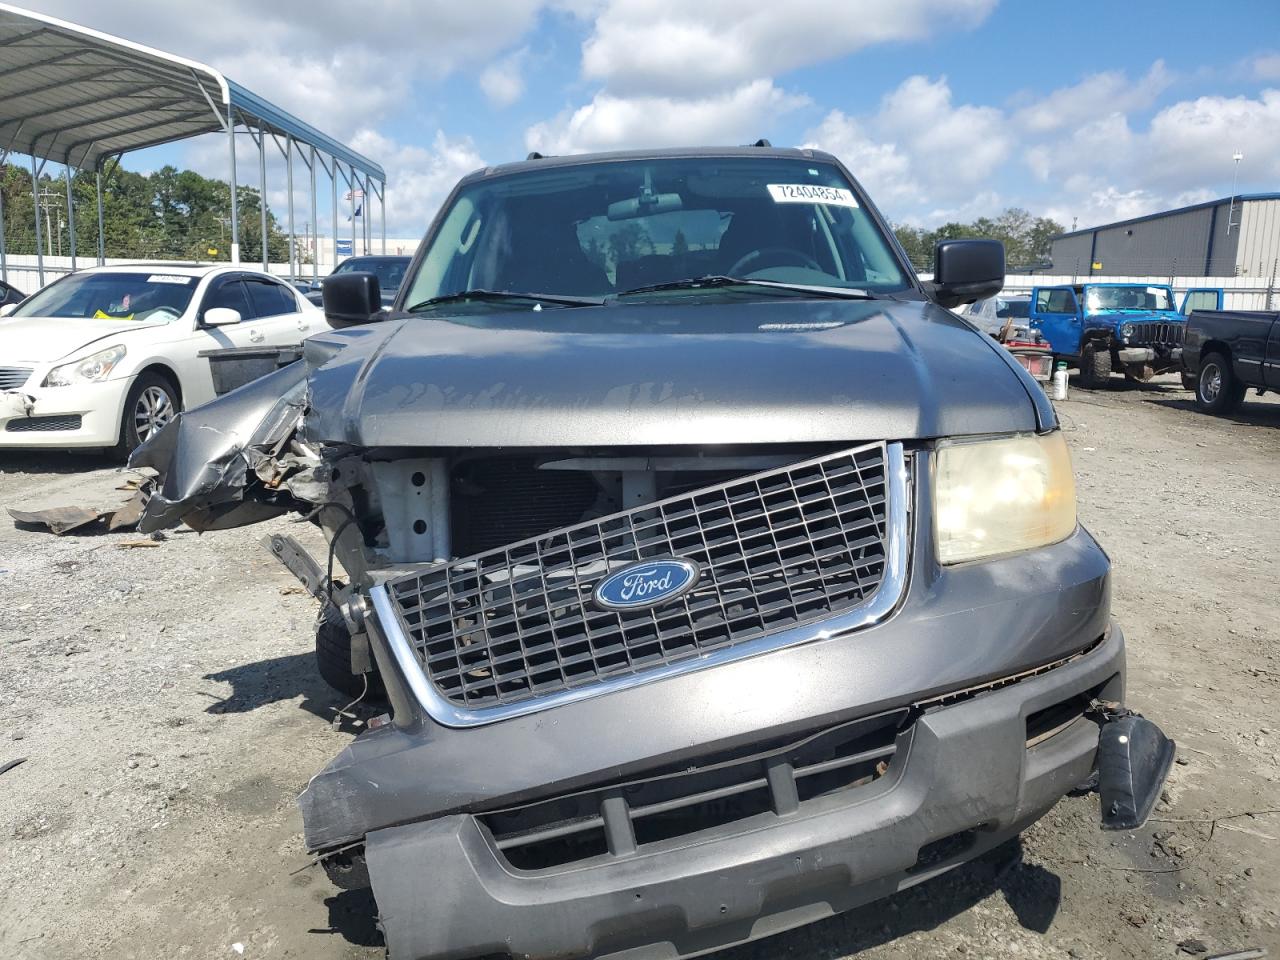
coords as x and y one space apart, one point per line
166 703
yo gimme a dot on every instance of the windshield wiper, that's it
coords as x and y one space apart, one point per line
498 296
719 280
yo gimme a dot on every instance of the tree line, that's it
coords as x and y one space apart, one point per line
1025 237
168 213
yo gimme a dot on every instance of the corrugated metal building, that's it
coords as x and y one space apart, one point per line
1190 241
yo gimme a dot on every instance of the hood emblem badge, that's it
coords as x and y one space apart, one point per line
646 584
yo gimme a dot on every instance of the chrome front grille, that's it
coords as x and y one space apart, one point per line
515 629
11 378
1155 333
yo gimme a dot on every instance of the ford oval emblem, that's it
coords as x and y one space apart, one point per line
646 584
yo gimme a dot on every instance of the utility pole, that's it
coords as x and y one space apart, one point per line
45 194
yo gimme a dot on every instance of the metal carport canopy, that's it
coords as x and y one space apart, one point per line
77 96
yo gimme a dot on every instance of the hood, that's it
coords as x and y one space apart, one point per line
630 374
1117 317
44 339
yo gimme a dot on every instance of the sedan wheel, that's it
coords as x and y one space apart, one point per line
152 411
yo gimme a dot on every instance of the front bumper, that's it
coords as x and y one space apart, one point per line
963 781
96 405
1161 356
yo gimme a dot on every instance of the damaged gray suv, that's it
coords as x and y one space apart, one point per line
718 577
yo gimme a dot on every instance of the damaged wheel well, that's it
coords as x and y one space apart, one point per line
164 370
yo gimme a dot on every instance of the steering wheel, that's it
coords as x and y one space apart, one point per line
795 256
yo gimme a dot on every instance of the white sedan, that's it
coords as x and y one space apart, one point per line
106 357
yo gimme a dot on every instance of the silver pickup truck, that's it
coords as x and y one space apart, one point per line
717 576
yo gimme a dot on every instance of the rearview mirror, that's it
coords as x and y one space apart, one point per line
221 317
351 299
966 270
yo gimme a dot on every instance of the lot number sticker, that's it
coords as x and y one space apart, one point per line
170 278
811 193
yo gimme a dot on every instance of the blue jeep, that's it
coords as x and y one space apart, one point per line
1129 328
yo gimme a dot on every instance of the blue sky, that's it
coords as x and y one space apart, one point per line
945 109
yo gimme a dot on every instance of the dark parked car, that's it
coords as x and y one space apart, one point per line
388 269
10 294
716 575
1227 352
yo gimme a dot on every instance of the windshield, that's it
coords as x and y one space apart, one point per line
1127 298
596 229
112 296
1018 309
390 272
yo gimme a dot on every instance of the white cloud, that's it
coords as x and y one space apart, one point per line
920 155
610 122
418 178
674 48
1097 94
503 80
1266 67
880 167
337 65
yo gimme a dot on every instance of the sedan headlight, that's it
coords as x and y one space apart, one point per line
1001 496
90 369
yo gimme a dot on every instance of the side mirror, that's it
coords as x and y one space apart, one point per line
351 299
221 317
967 270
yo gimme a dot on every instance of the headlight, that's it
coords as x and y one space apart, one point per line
1000 496
91 369
1126 330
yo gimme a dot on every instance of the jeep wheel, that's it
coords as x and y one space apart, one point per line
1218 389
333 658
1095 367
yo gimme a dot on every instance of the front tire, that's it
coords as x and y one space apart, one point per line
333 658
1218 389
1095 367
151 403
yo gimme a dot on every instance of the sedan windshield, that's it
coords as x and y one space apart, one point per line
604 228
1127 298
112 296
388 270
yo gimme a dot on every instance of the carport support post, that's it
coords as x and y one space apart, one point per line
235 206
262 199
315 227
71 218
333 181
35 195
102 240
288 167
382 212
351 189
4 260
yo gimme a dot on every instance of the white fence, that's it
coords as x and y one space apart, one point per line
23 273
1239 293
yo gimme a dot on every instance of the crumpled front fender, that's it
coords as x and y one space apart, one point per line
206 456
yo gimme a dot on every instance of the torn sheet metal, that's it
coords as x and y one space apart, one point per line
62 520
59 520
207 457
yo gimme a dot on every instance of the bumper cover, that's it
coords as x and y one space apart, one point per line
97 404
967 770
1165 356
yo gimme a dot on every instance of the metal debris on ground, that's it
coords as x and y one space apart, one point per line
6 767
61 520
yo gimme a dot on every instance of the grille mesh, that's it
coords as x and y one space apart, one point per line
776 549
11 378
69 421
1157 333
